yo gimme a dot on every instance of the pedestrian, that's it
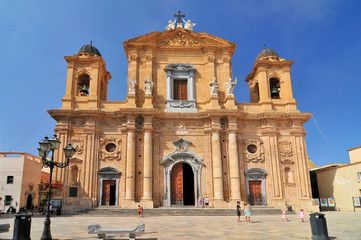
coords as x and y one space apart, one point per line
247 211
238 211
200 202
284 215
139 211
207 202
142 213
302 215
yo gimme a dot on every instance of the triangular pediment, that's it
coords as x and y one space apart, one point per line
179 38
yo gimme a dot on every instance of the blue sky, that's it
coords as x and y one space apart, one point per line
323 37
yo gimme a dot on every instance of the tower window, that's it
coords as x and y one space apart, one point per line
83 85
180 89
10 180
275 88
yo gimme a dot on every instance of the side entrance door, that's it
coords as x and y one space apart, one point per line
177 184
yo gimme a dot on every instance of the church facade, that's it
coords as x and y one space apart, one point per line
180 135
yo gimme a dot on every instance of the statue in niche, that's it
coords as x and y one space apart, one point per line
148 85
132 84
188 25
171 25
230 86
214 86
74 173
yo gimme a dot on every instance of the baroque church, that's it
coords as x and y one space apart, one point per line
180 135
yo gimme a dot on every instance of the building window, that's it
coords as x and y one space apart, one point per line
180 88
275 88
359 176
7 200
10 180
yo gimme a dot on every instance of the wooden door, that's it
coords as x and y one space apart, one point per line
255 192
177 184
106 191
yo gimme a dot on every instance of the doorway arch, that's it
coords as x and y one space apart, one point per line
256 186
108 186
182 185
193 165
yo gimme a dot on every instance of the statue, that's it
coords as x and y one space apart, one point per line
188 25
171 25
214 86
230 85
132 84
148 85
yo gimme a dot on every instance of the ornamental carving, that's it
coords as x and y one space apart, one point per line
285 148
253 150
80 144
110 148
181 130
132 58
181 40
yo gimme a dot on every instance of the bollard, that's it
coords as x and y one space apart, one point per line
318 226
22 226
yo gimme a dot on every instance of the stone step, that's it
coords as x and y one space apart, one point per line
177 211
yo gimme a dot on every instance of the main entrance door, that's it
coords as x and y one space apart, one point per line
182 185
255 192
108 196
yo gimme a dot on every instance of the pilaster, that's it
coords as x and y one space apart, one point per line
217 161
130 167
233 160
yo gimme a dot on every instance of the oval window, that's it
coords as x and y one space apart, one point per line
252 148
110 147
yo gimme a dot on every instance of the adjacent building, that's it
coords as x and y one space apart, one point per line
180 135
342 182
20 176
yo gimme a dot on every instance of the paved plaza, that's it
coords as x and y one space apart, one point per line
341 225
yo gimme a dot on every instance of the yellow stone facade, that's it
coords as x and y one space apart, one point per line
130 147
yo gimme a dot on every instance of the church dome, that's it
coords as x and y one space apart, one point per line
266 52
91 49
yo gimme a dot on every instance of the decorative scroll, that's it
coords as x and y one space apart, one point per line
253 150
80 144
285 148
110 148
181 40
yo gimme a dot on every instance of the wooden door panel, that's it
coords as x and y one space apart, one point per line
177 184
255 190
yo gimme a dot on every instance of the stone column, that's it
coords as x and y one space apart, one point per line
148 161
169 86
130 171
233 161
191 86
217 161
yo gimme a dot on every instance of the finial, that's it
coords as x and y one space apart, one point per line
264 46
179 16
91 42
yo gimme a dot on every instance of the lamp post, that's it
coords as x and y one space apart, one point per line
46 146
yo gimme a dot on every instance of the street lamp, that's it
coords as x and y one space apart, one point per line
46 146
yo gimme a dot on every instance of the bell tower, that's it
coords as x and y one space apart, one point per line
270 81
87 80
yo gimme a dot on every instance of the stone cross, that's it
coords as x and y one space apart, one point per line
179 17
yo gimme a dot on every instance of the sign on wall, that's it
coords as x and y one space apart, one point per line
323 202
356 201
331 202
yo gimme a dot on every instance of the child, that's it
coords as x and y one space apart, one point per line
302 215
238 211
247 211
284 216
201 202
139 211
141 214
207 202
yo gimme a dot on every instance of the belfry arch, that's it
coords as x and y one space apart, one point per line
182 155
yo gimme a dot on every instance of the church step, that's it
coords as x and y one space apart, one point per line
178 211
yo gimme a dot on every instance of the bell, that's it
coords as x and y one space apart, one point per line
274 91
84 90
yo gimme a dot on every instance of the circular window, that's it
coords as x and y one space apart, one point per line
110 147
252 148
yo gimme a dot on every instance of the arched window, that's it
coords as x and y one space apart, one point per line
83 85
274 84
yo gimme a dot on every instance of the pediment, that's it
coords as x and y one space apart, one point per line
179 38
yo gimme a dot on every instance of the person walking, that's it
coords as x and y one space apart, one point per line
238 211
139 211
207 202
247 211
302 215
284 215
201 202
